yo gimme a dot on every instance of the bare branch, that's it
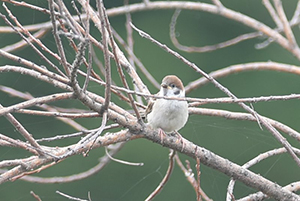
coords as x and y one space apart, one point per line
243 116
207 48
286 26
52 111
69 197
105 41
103 161
274 66
35 196
23 131
166 177
35 101
254 161
22 43
293 187
57 38
16 143
191 179
273 13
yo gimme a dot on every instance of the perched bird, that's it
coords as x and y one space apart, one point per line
165 114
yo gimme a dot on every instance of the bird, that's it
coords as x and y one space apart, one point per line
165 114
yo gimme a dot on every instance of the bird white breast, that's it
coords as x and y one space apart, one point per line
169 115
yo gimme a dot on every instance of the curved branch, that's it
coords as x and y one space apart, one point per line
244 116
254 161
274 66
225 12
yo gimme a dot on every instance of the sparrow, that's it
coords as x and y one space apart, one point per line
165 114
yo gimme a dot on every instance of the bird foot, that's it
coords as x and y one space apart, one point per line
179 137
162 134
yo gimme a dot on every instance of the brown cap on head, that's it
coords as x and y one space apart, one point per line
172 79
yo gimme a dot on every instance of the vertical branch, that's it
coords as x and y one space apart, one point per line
70 21
190 177
286 26
198 180
120 71
129 32
137 61
121 58
106 55
57 38
87 33
273 13
130 45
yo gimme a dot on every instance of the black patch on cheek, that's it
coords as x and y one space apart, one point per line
176 92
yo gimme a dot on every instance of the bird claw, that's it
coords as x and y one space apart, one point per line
179 137
161 134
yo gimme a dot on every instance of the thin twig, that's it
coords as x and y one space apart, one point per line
244 116
273 66
35 101
120 71
17 143
93 136
191 179
52 111
105 40
217 3
23 132
121 161
255 161
35 196
273 13
69 197
122 60
286 26
89 67
22 43
166 177
31 37
137 61
198 180
79 134
207 48
57 38
103 161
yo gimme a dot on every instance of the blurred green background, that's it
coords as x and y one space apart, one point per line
238 141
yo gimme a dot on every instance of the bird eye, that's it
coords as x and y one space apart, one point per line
172 85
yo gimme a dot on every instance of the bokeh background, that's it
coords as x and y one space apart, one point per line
238 141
